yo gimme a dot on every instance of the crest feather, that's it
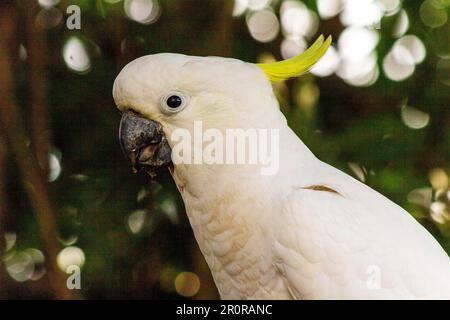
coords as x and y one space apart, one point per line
298 65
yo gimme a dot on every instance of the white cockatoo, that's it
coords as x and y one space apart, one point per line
304 231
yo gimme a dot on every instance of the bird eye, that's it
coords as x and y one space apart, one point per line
174 102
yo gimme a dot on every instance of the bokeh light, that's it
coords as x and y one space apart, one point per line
439 212
421 197
409 48
361 13
291 47
50 17
401 24
76 56
359 171
142 11
70 256
329 8
135 221
48 3
438 179
405 54
443 71
432 14
297 20
19 265
25 265
38 259
356 47
328 64
414 118
357 43
54 167
167 278
258 4
263 25
68 240
307 96
389 7
187 284
23 54
169 207
10 240
395 69
239 7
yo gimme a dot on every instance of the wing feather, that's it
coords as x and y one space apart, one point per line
356 244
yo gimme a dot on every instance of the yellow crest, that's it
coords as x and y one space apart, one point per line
298 65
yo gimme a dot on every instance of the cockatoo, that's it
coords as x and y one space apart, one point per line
307 231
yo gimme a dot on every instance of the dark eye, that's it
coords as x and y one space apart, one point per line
174 101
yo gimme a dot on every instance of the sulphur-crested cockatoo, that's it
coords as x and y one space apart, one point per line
305 230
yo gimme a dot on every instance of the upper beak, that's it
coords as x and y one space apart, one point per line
144 142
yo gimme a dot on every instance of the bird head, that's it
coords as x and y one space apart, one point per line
161 94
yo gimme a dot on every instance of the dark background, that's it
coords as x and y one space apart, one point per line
67 194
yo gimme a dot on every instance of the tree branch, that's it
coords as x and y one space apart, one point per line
33 179
223 29
3 213
37 49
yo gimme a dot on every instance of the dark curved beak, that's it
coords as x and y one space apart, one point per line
143 142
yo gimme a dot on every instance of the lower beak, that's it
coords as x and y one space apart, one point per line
144 143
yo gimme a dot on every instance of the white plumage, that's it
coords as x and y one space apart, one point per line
308 232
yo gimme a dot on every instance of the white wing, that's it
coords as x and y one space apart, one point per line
355 244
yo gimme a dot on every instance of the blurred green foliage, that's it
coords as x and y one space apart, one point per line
133 232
